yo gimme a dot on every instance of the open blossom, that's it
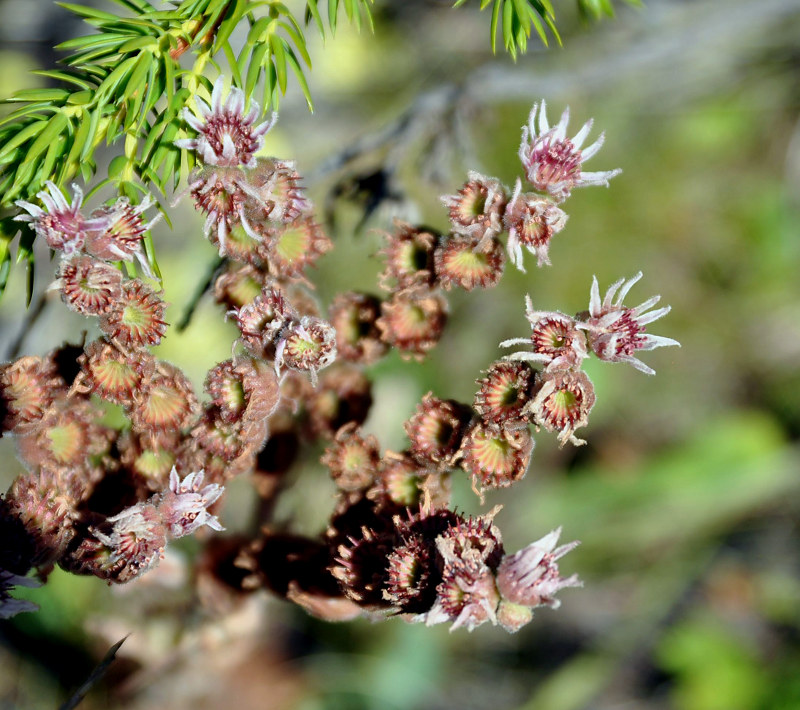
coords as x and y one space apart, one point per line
617 332
226 135
553 163
184 505
555 341
60 223
531 220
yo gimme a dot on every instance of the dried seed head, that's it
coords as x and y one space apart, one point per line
531 221
468 262
344 395
150 458
228 440
435 430
243 389
225 386
45 501
125 228
476 210
409 257
496 458
405 481
413 322
262 321
352 459
355 315
244 244
531 577
166 402
307 345
562 403
361 567
412 577
238 285
274 192
114 375
295 246
503 394
226 135
553 163
66 436
88 286
28 387
616 332
471 539
137 319
60 224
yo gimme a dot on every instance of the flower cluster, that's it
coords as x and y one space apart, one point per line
105 500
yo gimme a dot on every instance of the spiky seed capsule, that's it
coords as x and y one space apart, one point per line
503 393
466 263
114 375
89 286
409 257
413 322
401 478
137 320
246 245
243 389
562 403
435 430
28 386
167 402
344 395
307 345
473 538
412 577
531 221
225 386
496 458
352 459
361 568
355 315
218 195
297 245
476 210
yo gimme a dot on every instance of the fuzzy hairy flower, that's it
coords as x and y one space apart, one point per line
87 285
217 193
112 374
166 402
617 332
557 340
136 541
467 596
468 262
296 246
184 505
28 387
274 192
343 395
531 576
531 221
238 285
61 223
352 459
263 320
243 389
408 483
553 163
562 403
476 210
226 135
412 576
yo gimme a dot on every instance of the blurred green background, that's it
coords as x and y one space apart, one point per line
686 498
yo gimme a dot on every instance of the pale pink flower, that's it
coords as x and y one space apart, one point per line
184 505
531 221
553 163
531 576
137 539
226 135
60 223
617 332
